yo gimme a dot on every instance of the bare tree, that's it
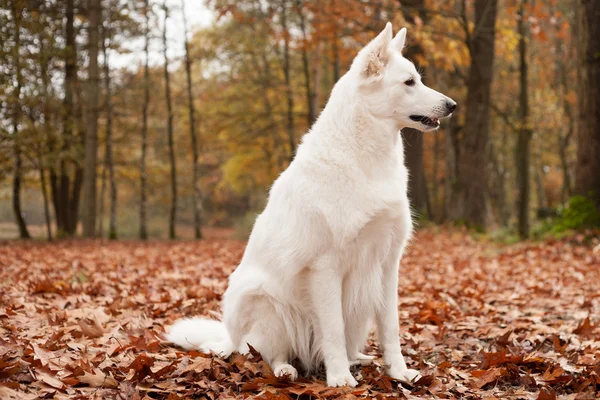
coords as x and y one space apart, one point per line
91 137
523 151
66 187
288 79
587 178
16 115
193 135
146 105
46 89
109 162
309 86
412 138
173 211
470 184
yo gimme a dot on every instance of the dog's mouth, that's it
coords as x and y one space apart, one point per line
430 122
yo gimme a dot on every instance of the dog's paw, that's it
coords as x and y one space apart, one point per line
286 369
404 374
341 379
361 359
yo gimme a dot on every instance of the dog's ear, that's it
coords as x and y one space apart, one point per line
399 40
376 54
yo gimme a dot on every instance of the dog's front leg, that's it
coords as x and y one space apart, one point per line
325 291
387 323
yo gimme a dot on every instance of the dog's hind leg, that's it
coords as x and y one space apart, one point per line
269 337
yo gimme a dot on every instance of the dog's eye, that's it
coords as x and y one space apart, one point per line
409 82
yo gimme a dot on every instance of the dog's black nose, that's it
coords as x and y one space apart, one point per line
451 105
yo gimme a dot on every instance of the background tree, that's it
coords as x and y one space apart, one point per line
171 142
145 107
523 152
470 186
16 11
193 135
587 179
91 137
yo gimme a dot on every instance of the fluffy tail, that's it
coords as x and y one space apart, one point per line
205 335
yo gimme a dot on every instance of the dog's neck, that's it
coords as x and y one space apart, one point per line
371 139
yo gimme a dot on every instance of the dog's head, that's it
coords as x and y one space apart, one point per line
391 87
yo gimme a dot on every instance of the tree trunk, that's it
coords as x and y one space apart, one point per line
310 108
91 133
413 139
143 223
65 194
539 181
100 231
587 177
16 115
193 136
173 211
470 187
435 208
417 184
316 79
46 144
110 165
522 151
288 81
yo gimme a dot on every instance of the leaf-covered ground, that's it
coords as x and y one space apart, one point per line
84 319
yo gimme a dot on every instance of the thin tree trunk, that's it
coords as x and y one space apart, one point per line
47 134
193 135
65 194
435 209
539 181
417 185
143 200
587 178
110 165
523 152
413 139
91 133
316 77
311 116
100 231
16 115
288 81
471 180
173 211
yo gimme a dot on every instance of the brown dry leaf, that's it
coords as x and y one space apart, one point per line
49 380
98 379
91 327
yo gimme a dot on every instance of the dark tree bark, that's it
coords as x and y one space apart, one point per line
143 199
587 175
470 185
16 116
44 61
172 162
91 134
417 183
412 138
288 81
100 231
109 162
66 191
523 151
306 68
193 134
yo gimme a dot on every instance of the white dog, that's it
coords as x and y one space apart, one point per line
322 260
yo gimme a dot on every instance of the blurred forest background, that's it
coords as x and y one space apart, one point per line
157 119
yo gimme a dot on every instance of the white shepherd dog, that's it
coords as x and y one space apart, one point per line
322 261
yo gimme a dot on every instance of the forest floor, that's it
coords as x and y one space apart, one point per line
84 319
